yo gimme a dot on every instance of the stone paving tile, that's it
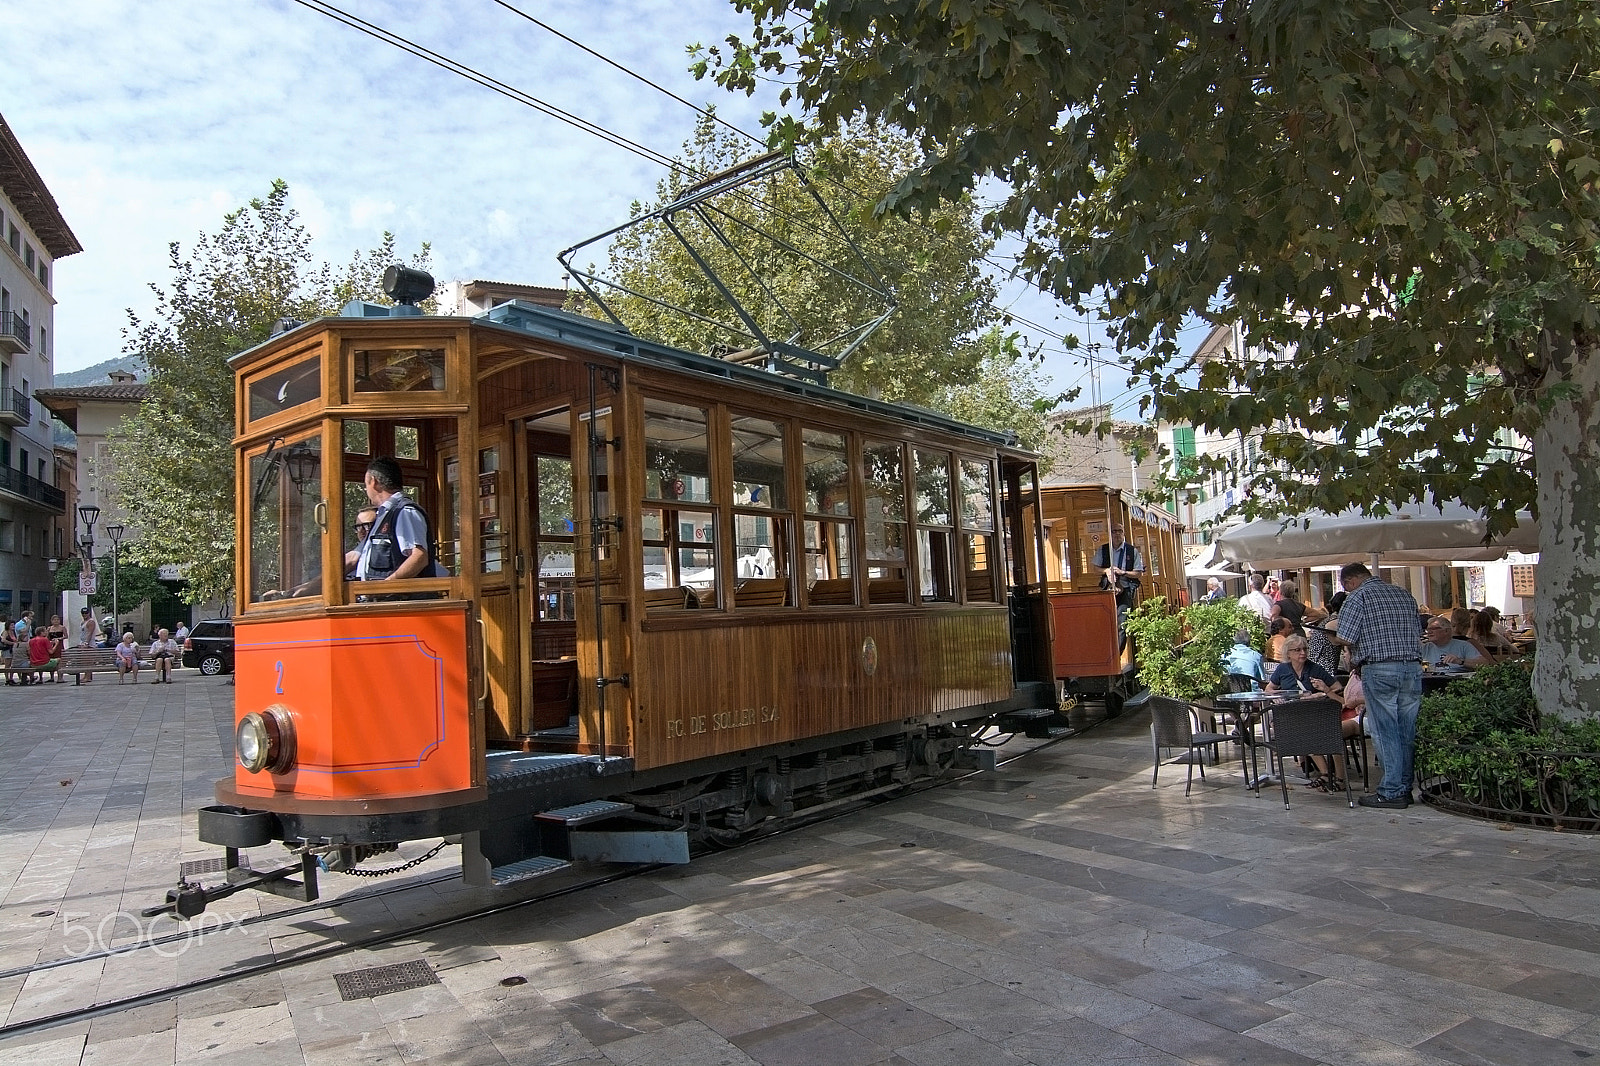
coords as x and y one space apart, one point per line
1060 911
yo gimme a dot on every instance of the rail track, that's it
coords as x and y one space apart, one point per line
836 809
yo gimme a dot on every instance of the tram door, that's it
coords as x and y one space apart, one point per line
546 557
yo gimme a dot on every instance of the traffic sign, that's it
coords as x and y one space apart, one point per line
86 584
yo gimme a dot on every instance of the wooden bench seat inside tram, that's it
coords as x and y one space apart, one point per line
886 590
761 592
832 592
671 598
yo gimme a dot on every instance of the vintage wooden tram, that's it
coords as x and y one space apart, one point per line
1088 656
684 596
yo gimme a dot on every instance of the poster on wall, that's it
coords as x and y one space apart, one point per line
1475 585
1522 581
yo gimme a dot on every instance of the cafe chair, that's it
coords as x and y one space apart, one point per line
1176 724
1356 746
1306 727
1241 683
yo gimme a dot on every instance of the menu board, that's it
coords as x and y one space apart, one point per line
1522 581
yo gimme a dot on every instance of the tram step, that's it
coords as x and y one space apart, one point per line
526 868
1018 721
584 813
1051 732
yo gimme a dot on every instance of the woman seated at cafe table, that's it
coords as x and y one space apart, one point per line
1444 648
1298 674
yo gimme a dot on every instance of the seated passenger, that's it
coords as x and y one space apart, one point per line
1243 658
1280 630
127 658
1489 635
163 650
1298 674
44 654
1444 648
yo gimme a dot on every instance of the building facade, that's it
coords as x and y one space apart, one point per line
36 528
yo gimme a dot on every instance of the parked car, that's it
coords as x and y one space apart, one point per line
209 647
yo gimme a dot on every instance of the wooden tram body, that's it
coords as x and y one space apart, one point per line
1087 655
717 592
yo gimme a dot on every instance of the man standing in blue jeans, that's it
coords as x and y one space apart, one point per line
1379 624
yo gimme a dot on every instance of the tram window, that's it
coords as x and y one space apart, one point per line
450 519
827 472
980 568
407 442
399 369
828 557
977 514
885 521
758 463
935 545
491 541
357 437
762 551
677 454
556 592
679 551
280 390
285 538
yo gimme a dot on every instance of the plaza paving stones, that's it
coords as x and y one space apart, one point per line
1057 911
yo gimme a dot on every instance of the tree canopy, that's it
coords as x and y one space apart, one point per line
929 352
1398 199
172 464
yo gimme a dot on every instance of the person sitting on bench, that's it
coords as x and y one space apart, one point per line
44 654
127 658
163 650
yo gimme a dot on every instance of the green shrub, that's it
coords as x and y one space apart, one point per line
1485 735
1180 654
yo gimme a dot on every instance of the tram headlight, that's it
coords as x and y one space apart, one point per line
264 740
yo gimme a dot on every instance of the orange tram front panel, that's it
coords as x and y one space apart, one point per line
379 700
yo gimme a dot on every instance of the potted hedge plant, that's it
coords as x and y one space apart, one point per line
1180 653
1484 749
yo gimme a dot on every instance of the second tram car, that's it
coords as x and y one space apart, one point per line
679 596
1089 656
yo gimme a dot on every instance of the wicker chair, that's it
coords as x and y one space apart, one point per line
1174 724
1306 727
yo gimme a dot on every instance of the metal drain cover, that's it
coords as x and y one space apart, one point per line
381 980
209 866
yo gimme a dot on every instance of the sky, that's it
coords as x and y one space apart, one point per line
150 120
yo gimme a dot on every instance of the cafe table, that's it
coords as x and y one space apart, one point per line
1435 678
1247 709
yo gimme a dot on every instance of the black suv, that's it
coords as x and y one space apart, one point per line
209 646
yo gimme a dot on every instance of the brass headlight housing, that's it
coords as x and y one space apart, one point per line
264 740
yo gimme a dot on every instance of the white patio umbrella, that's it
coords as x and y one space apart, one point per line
1419 534
1206 564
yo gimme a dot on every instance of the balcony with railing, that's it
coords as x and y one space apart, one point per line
17 483
16 336
16 409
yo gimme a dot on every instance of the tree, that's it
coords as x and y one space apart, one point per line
172 463
1401 199
928 353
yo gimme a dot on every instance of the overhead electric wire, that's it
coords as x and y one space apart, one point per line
594 129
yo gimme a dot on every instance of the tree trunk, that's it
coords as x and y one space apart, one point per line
1566 673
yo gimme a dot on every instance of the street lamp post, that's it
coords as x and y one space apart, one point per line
115 532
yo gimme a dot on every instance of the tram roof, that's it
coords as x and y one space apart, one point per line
524 320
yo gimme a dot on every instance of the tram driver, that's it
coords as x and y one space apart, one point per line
398 544
1122 566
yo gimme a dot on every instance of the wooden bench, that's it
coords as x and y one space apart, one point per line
832 592
671 598
81 660
761 592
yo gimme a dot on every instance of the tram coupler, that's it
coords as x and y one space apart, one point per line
191 898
